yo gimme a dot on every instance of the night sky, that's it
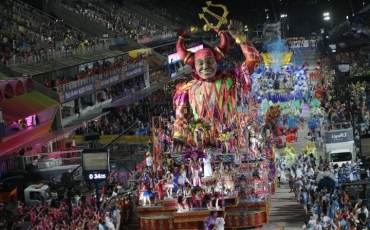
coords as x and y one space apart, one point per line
304 16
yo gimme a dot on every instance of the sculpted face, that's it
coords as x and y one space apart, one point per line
206 67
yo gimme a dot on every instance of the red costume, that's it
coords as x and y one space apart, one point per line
212 99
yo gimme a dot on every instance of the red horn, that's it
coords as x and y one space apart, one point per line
222 49
186 56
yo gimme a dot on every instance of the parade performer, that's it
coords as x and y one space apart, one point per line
182 180
194 165
159 194
195 171
169 184
208 172
208 190
217 188
147 189
179 195
212 94
188 196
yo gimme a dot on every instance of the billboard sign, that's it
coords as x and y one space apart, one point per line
71 94
95 164
134 72
337 136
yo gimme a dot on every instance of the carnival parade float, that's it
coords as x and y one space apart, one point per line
215 165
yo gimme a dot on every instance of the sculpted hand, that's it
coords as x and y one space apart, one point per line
235 28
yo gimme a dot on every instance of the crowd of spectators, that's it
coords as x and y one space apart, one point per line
163 13
359 62
22 26
123 22
165 94
52 30
157 76
115 211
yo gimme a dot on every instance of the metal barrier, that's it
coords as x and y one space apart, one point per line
78 83
55 54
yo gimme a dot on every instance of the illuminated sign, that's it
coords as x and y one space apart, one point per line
173 58
95 161
97 176
95 164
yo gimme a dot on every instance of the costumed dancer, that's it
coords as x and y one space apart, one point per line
217 188
229 181
208 190
159 194
188 196
180 195
209 222
198 196
169 184
220 223
208 172
195 171
242 187
160 172
147 190
149 161
182 180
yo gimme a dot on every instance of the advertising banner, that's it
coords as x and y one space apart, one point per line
135 71
105 82
77 92
71 94
337 136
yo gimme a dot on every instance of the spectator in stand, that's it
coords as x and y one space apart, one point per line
123 22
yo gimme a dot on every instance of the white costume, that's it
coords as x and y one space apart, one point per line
282 175
220 222
149 161
117 217
182 179
109 224
208 172
299 172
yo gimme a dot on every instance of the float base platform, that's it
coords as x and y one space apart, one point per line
246 214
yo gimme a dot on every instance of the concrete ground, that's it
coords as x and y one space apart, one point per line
285 210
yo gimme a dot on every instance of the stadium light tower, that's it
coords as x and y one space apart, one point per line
326 16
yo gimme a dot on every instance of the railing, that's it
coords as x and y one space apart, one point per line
84 81
55 54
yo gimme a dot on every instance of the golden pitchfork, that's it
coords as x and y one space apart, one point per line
221 19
